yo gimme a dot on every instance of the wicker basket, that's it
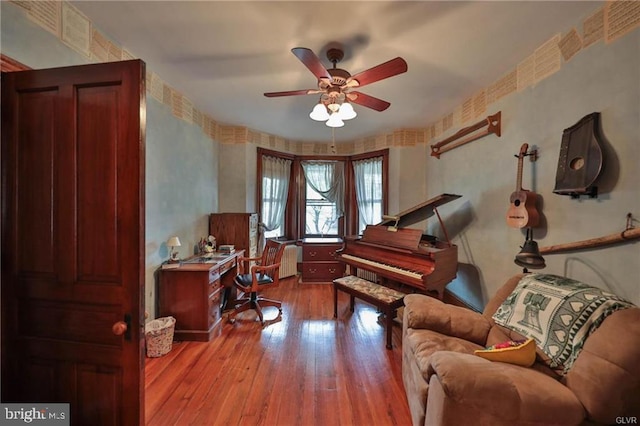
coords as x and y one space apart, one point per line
159 336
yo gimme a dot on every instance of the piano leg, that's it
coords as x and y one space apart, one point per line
389 314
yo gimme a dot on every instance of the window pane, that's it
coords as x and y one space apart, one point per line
274 234
321 217
377 210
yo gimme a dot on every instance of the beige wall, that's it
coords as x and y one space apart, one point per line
237 190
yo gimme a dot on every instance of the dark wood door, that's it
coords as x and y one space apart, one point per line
73 240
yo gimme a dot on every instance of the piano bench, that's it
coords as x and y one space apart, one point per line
387 300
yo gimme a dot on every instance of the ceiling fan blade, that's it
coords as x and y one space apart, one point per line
292 93
368 101
311 61
388 69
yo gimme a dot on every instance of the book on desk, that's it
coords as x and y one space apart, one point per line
227 249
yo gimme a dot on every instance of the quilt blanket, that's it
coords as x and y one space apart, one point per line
558 313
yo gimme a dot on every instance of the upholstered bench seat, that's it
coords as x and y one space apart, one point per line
387 300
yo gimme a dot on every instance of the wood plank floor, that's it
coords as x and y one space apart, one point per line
304 368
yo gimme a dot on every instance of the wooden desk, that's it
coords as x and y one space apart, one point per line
193 295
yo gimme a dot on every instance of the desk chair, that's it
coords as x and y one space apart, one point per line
266 273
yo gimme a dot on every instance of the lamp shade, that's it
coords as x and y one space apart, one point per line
347 112
319 113
335 121
173 242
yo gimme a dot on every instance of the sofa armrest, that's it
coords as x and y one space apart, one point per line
498 392
426 312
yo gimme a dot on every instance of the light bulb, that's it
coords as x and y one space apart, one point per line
333 107
319 113
347 112
335 121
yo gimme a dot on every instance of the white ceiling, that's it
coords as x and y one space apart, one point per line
223 55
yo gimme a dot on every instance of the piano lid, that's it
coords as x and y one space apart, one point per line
420 212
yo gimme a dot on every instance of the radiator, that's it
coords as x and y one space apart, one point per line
289 262
367 275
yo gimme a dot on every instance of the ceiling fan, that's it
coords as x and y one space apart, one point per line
336 85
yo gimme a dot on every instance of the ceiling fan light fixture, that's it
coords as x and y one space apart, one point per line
335 120
347 112
319 113
335 85
333 107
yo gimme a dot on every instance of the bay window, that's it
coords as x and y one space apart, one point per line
325 195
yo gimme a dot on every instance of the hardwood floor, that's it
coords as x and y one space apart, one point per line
304 368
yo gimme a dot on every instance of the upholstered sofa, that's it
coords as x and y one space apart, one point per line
446 383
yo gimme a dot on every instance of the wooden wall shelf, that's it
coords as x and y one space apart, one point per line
492 124
628 235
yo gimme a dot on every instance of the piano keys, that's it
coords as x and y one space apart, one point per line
404 257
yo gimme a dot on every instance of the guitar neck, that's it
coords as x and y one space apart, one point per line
519 180
521 155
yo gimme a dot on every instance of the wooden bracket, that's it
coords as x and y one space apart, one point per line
532 154
492 123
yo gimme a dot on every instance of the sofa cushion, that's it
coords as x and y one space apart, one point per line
508 394
426 312
558 312
423 343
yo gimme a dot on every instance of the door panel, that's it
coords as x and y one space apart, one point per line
35 163
97 141
73 239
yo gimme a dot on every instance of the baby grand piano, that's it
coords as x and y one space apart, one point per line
404 258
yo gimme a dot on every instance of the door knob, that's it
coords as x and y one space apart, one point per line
123 327
119 328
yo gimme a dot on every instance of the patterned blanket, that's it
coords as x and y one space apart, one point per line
558 313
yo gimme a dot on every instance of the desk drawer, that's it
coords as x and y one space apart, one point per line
214 275
322 271
214 286
227 265
214 307
319 253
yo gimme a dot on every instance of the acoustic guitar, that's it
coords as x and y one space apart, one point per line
522 210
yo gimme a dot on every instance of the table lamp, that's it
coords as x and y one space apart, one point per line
173 255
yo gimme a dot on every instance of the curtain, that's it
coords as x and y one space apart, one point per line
368 182
327 179
275 188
